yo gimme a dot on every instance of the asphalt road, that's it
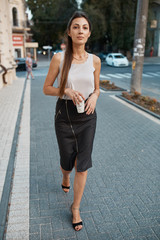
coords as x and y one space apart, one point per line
120 76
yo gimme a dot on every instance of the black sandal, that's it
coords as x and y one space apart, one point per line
74 225
77 224
64 187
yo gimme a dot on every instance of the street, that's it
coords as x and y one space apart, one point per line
114 178
122 78
121 198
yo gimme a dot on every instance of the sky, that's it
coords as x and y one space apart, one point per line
29 13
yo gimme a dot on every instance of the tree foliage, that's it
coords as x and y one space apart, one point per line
113 22
50 18
119 18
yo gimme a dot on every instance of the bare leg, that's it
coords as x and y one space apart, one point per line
27 75
79 185
32 75
66 179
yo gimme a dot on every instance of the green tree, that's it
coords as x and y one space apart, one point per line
50 18
119 17
98 30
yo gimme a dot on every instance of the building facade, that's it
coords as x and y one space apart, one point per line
15 38
154 30
21 34
7 64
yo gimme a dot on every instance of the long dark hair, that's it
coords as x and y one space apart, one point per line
69 51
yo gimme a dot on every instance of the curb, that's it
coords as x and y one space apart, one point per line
10 171
113 90
140 107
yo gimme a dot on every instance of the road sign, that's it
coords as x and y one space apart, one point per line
47 47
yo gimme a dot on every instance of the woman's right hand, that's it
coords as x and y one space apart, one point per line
74 95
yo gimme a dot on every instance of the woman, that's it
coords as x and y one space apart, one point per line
78 80
29 65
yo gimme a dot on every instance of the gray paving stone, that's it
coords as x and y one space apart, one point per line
58 226
44 204
152 238
46 232
125 231
156 230
90 226
66 233
34 236
116 234
97 217
123 201
34 229
99 236
107 216
116 216
143 232
81 235
34 208
110 203
39 220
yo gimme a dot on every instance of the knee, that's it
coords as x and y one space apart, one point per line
82 174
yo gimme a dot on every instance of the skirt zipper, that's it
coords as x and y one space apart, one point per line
59 112
71 127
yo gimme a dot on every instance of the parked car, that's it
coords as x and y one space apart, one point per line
102 56
21 64
117 60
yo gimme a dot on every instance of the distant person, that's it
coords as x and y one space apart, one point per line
78 83
29 65
151 51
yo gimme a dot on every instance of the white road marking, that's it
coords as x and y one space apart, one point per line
104 76
113 75
122 75
146 75
128 75
136 109
154 74
155 84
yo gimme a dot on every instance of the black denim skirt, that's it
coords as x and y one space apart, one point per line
75 134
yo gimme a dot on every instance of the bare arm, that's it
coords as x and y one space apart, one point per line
91 102
53 71
48 88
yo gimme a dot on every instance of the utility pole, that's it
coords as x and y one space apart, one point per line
139 45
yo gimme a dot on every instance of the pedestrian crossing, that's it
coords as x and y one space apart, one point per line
128 75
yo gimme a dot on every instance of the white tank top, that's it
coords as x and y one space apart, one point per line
80 77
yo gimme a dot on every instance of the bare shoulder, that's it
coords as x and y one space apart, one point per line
96 61
56 58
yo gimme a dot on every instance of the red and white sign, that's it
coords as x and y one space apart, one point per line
63 46
17 40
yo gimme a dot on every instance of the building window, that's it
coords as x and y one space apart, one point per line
17 53
15 16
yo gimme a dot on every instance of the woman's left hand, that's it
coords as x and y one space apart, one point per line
91 104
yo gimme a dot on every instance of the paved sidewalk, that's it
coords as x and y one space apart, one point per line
122 195
10 98
151 60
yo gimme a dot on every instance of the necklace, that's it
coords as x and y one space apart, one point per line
82 58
